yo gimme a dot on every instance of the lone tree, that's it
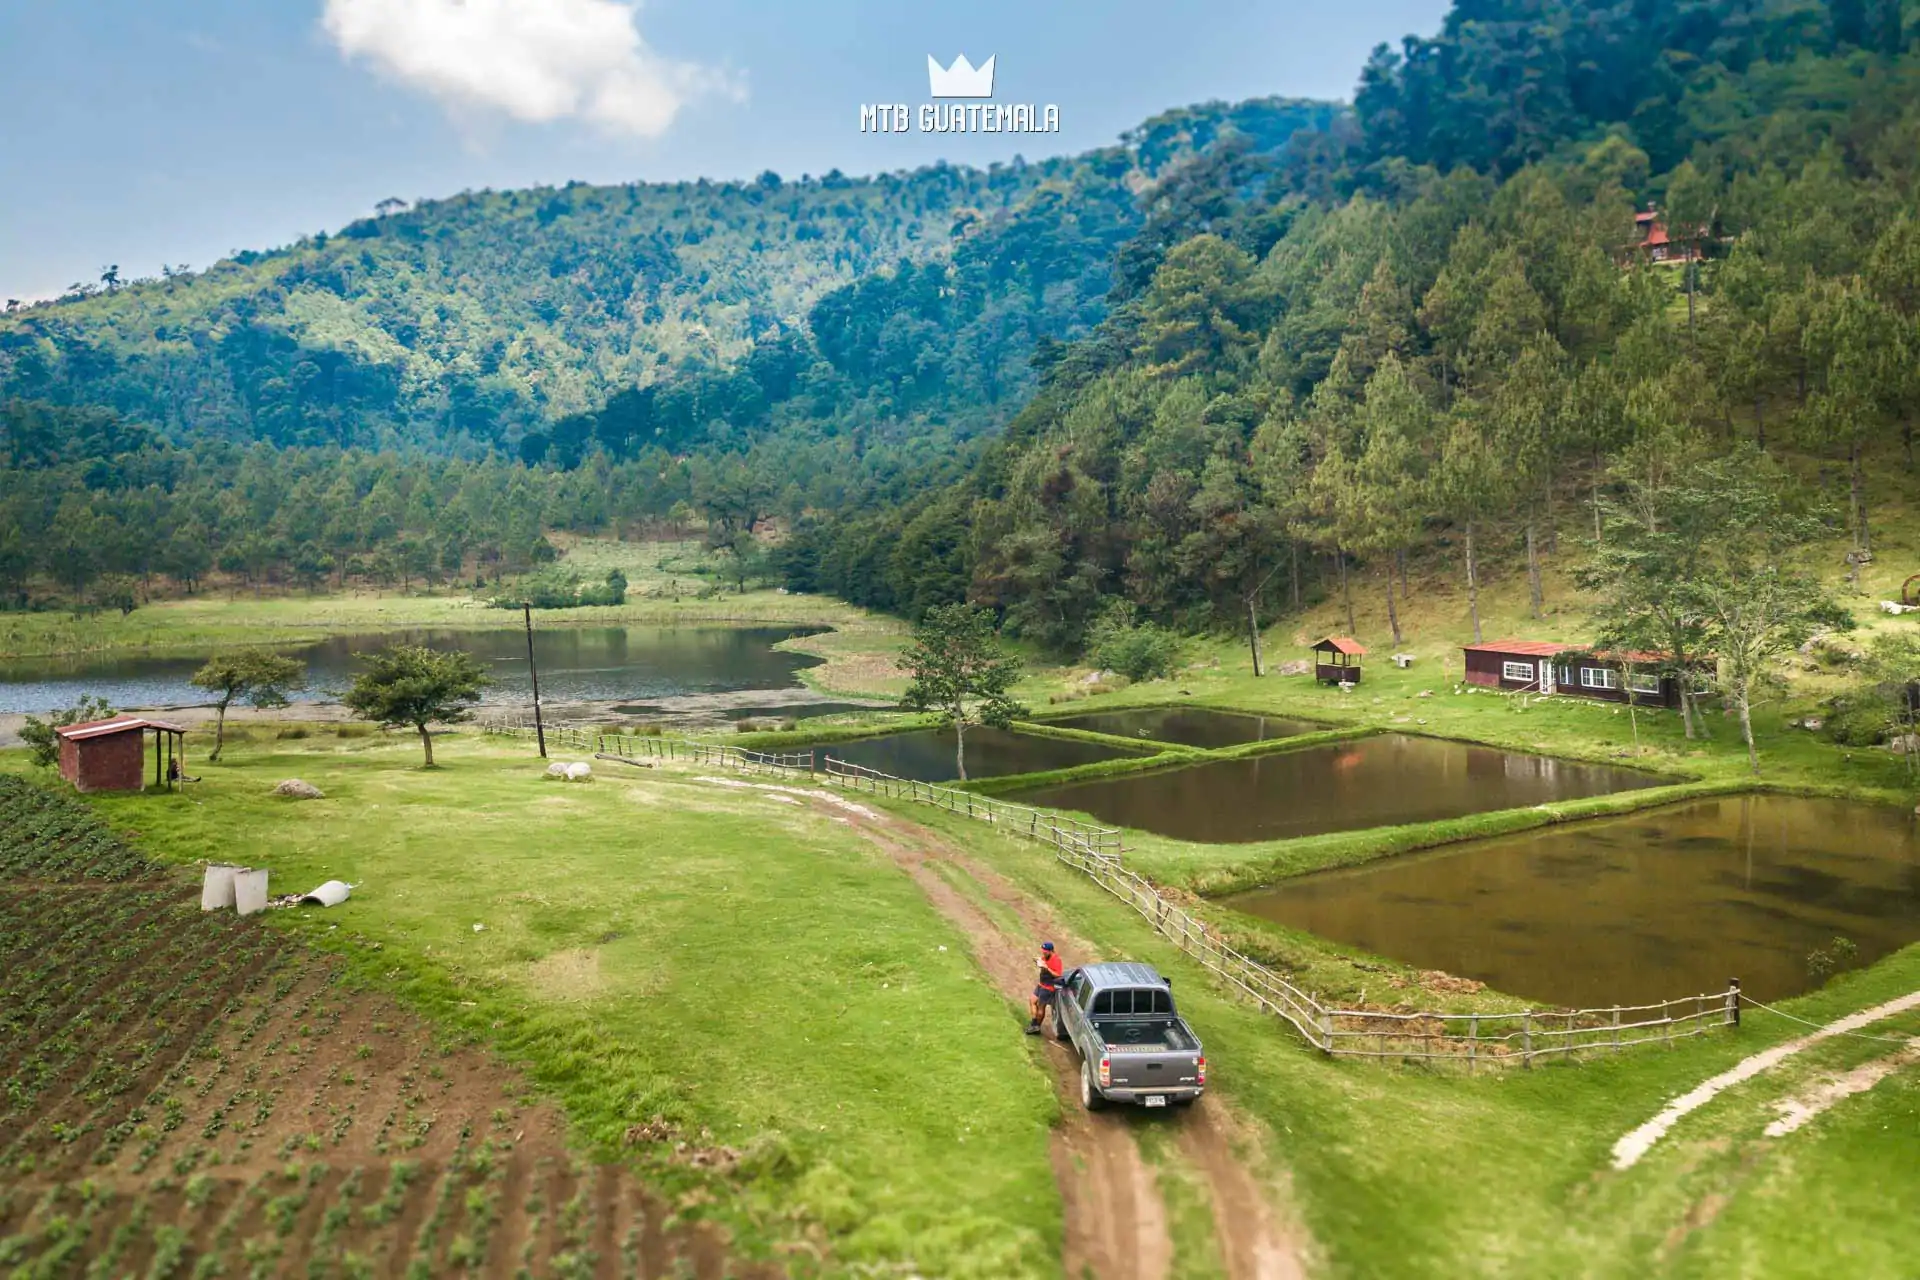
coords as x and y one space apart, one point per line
409 684
960 672
257 677
1757 606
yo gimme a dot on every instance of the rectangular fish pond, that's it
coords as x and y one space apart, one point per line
1643 907
1381 781
926 755
1189 726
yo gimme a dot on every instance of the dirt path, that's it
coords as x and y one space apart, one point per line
1635 1144
1116 1222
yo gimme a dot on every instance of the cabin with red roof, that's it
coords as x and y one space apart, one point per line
1656 245
110 755
1541 666
1336 660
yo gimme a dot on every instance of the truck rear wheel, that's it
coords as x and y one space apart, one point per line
1089 1093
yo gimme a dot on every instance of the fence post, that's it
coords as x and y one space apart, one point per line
1473 1041
1616 1028
1526 1039
1733 1002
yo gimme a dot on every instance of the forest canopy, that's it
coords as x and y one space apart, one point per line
1249 355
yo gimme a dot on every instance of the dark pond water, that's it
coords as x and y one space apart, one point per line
1189 726
927 755
1633 909
768 711
1371 782
575 663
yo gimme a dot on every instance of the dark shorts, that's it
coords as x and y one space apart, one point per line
1045 995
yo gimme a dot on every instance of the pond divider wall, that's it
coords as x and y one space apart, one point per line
1460 1039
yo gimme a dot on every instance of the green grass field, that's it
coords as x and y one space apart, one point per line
653 944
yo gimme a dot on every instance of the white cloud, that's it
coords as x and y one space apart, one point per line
535 60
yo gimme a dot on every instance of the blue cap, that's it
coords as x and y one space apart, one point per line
1046 946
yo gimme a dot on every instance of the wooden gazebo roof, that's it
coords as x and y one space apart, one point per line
1343 644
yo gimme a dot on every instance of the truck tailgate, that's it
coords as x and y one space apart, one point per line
1164 1055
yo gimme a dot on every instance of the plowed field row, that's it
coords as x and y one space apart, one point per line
187 1094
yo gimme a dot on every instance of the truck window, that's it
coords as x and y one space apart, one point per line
1163 1002
1103 1003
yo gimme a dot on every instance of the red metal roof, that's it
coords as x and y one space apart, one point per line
1526 648
118 724
1344 644
1550 649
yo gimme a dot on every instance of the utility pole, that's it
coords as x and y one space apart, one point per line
539 728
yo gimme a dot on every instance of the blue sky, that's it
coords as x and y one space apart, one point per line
175 131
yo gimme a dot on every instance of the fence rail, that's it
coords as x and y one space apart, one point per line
1471 1040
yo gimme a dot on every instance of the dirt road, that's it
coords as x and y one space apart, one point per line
1116 1222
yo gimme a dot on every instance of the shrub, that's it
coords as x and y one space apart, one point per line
1137 650
39 735
562 589
1858 721
1824 962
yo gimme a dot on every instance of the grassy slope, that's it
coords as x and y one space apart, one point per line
654 945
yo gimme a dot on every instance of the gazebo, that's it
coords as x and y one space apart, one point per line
1336 660
106 755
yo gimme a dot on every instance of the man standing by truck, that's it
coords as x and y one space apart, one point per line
1046 988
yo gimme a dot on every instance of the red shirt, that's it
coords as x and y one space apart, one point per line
1050 969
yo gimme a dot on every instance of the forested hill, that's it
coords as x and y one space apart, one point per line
478 322
1441 334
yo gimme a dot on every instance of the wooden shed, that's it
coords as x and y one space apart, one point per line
110 755
1336 660
1541 666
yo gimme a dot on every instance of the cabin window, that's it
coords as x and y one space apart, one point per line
1599 678
1644 682
1566 675
1517 671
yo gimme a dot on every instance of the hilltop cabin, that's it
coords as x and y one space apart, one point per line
1537 666
1656 245
108 755
1336 660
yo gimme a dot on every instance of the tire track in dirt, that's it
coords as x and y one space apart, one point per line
1116 1222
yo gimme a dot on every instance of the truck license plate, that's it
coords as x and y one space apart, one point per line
1154 1100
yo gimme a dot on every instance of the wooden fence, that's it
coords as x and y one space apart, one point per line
1469 1040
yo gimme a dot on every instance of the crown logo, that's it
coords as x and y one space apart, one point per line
962 79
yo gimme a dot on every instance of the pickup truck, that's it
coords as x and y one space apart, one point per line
1133 1045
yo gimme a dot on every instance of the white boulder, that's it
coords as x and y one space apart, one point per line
581 772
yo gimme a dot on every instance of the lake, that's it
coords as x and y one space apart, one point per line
1666 903
927 755
1189 726
576 664
1379 781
